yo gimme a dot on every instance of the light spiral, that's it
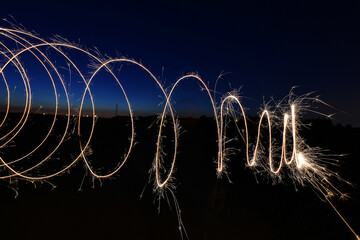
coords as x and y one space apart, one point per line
301 164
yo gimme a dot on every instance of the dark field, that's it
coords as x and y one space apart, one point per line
250 207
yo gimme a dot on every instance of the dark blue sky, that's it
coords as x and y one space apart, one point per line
266 47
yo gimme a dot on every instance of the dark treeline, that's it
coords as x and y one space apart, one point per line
250 207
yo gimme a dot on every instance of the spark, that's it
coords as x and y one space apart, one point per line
302 161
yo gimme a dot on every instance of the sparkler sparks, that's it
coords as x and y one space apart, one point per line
301 164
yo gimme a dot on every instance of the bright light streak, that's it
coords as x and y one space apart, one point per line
302 165
301 161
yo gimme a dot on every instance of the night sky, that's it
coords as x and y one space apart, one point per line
265 48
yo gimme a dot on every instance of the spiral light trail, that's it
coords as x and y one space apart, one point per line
301 164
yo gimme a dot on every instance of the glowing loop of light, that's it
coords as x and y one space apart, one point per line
305 169
12 57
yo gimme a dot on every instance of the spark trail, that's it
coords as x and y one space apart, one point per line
302 164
